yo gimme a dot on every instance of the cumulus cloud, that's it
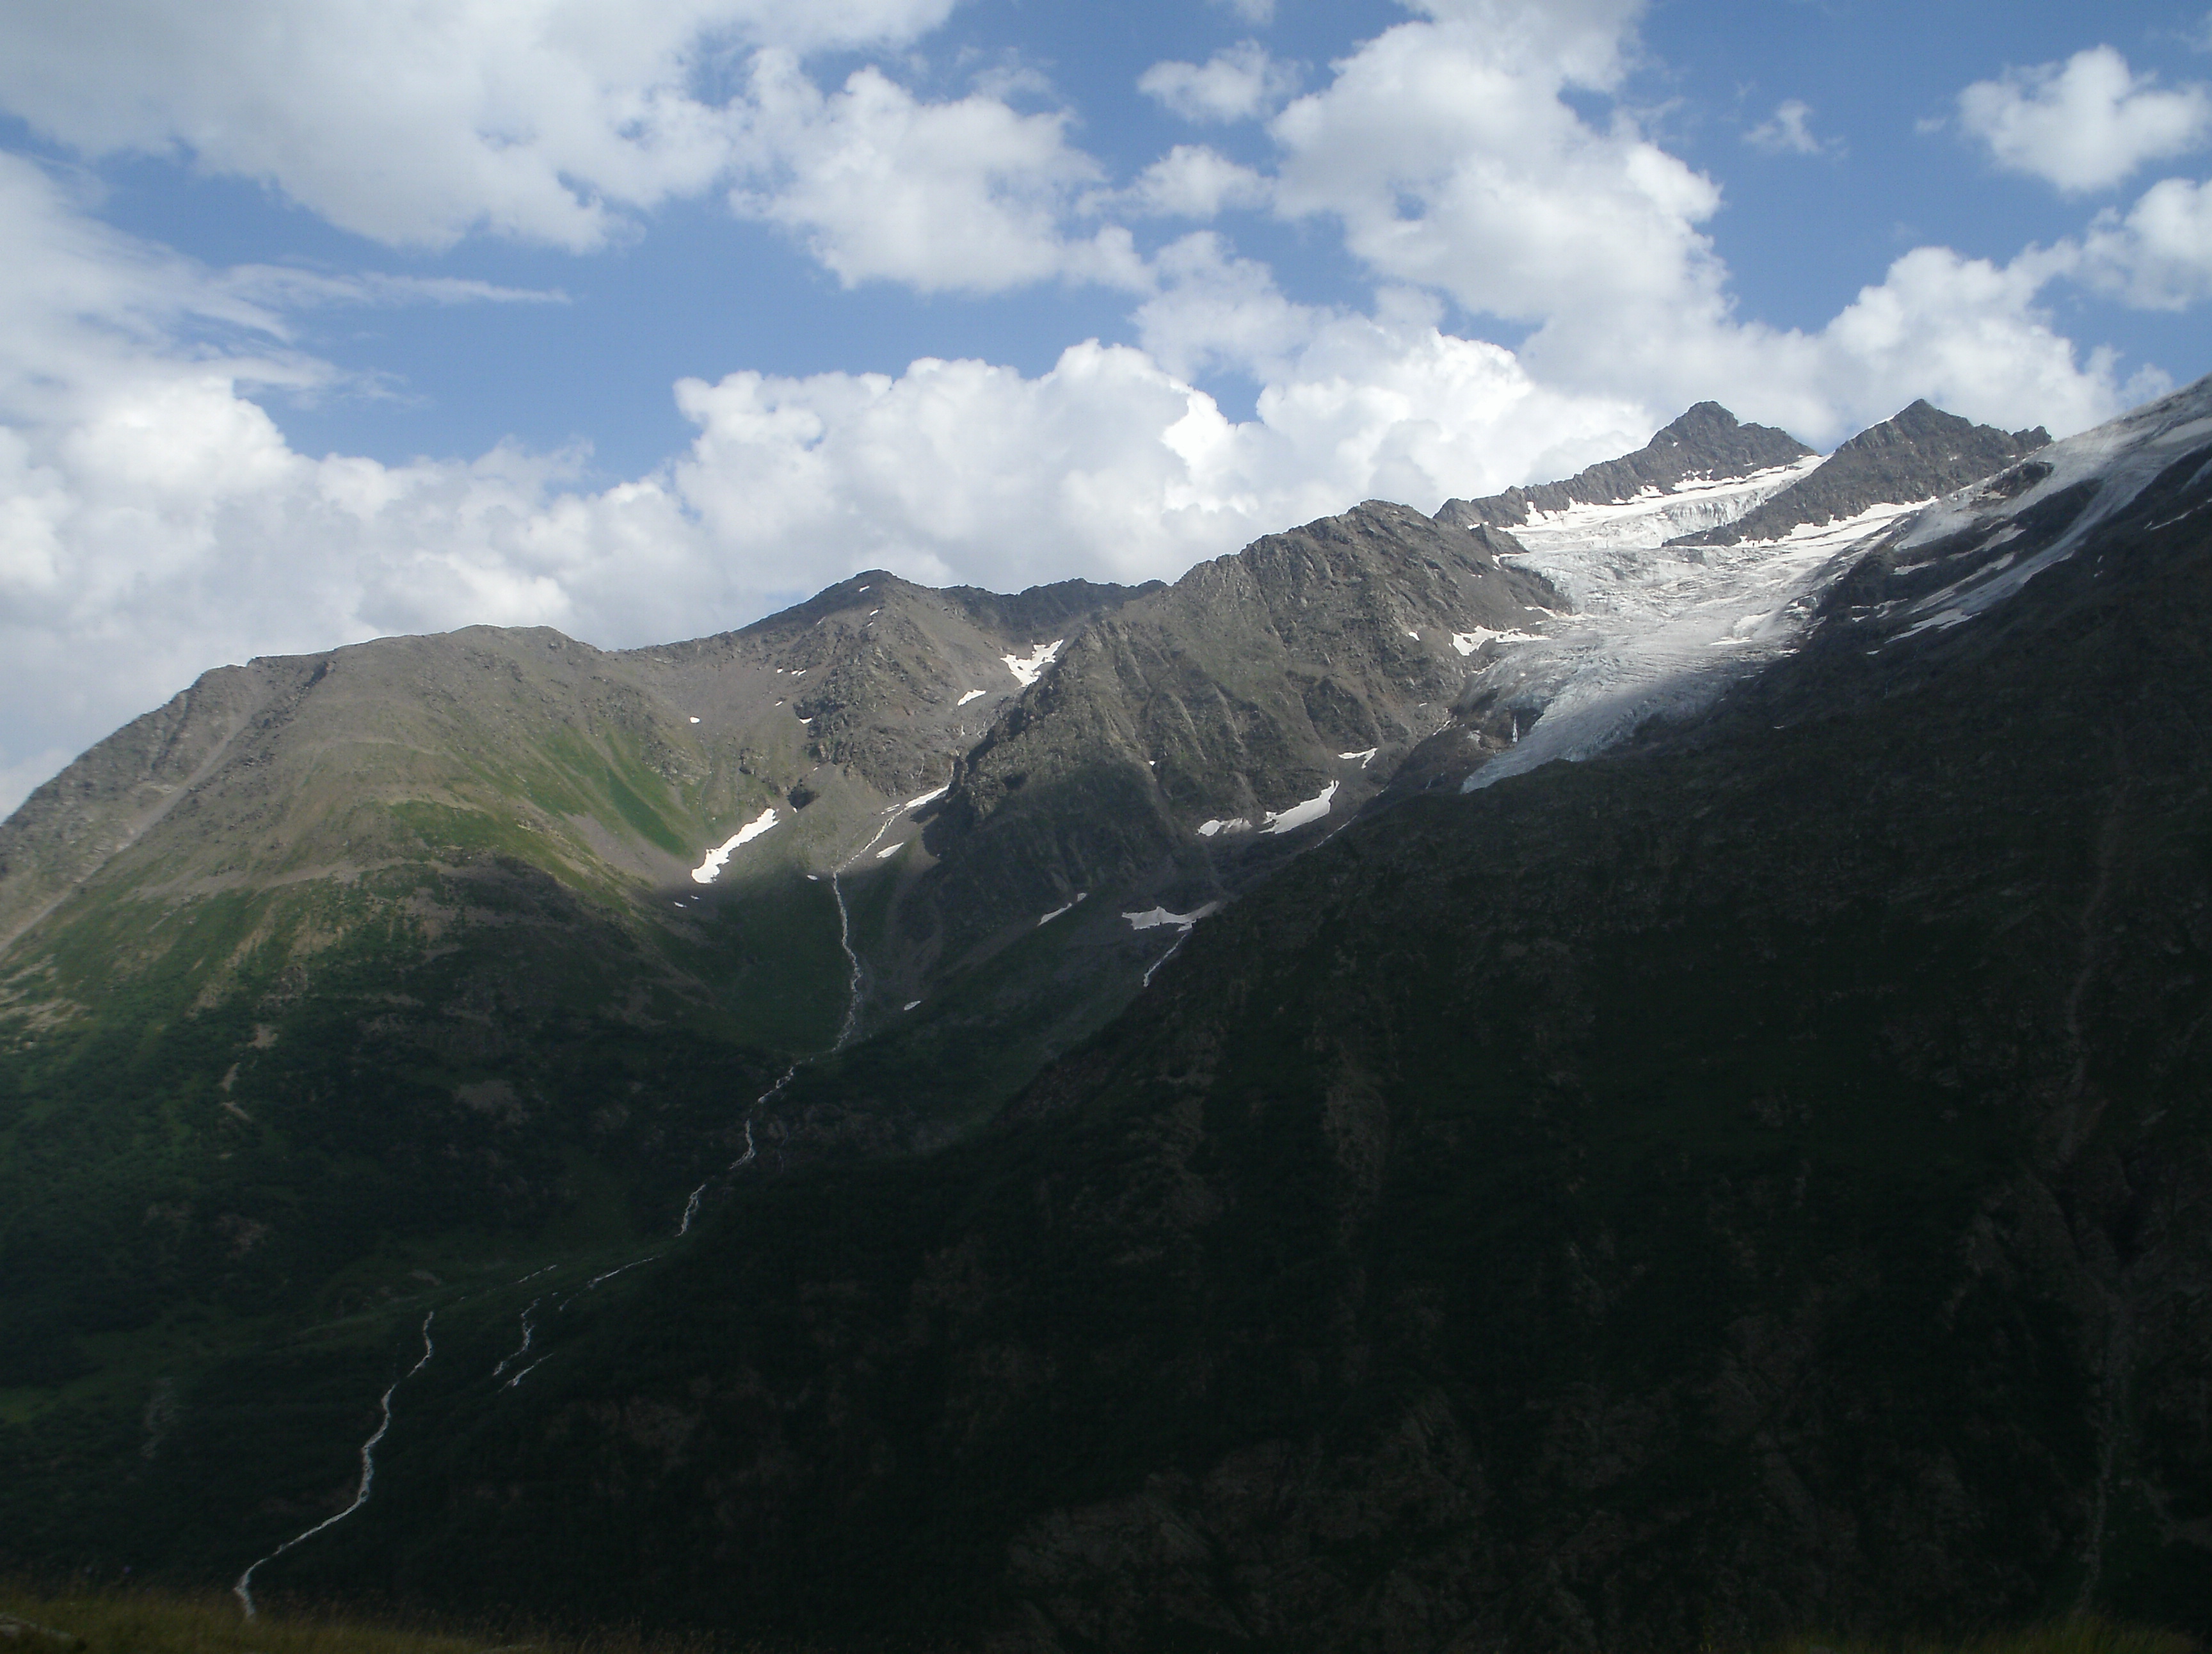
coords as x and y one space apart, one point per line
968 195
1787 131
1455 159
2159 255
414 125
1241 84
1968 334
2084 124
1216 311
562 124
1448 154
1193 181
1108 463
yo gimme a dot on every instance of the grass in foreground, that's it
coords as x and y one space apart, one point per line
156 1622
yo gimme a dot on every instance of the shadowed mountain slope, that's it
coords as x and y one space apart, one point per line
647 1015
1762 1175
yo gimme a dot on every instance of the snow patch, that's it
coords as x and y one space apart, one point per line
1029 667
1469 642
972 694
1080 896
1153 918
711 869
891 850
695 721
1366 758
1208 829
1284 821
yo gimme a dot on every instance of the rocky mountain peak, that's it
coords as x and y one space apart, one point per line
1706 443
1916 454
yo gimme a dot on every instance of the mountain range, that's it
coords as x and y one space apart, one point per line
1619 1065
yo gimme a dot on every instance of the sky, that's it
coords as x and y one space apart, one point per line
326 319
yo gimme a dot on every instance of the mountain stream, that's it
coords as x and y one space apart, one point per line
244 1589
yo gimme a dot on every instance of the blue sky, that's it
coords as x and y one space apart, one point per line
330 319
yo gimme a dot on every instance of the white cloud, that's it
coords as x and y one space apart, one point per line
2084 124
1585 43
1788 131
1193 181
2159 256
1966 333
560 124
968 195
1452 156
289 287
1216 311
1241 84
1258 14
1108 464
1449 156
416 124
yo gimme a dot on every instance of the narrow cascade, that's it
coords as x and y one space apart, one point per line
244 1589
846 1030
691 1206
528 1332
845 941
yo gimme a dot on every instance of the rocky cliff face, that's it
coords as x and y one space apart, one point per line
1175 744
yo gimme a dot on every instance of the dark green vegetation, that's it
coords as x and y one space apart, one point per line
1760 1178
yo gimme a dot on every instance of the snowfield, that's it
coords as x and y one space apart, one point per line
1029 667
1657 630
1652 516
1155 918
1284 821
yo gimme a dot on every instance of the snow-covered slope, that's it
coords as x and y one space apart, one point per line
1653 515
1657 631
1661 631
1985 538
